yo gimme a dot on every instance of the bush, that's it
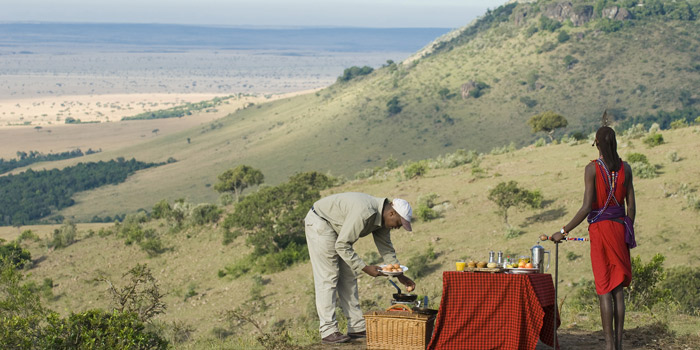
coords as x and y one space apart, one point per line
479 89
643 170
636 131
14 254
420 264
415 169
28 235
529 102
637 158
645 289
684 284
654 140
161 210
426 213
679 123
453 160
513 232
205 214
540 142
98 329
63 236
563 36
393 106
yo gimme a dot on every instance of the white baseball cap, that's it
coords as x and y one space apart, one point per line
404 210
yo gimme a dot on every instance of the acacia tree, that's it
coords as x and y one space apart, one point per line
508 194
237 179
547 122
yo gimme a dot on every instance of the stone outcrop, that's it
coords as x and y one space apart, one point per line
580 14
466 87
616 13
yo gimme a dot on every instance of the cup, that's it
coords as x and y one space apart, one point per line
460 264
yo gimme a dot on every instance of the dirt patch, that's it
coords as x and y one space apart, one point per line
640 338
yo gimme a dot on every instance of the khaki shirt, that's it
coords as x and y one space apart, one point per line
354 215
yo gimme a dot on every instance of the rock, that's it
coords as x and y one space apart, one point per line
582 15
610 12
623 15
561 11
466 88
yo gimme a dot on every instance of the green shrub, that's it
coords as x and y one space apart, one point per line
426 213
684 284
394 106
205 214
453 160
646 290
654 140
513 232
415 169
63 236
530 31
635 131
570 61
540 142
28 235
479 89
563 36
549 24
98 329
679 123
529 102
14 254
637 158
420 264
392 163
643 170
161 210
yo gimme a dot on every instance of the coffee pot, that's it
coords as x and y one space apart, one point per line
538 253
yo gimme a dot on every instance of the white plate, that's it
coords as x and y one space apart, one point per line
522 270
404 268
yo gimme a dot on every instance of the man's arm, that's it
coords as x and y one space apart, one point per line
631 204
588 198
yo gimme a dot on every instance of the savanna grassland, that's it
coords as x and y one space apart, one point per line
416 109
467 227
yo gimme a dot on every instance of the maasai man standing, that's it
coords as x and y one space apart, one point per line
608 185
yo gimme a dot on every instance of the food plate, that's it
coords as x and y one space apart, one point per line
404 268
522 270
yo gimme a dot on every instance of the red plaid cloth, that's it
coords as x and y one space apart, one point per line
494 311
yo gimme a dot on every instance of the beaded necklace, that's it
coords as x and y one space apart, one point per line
610 180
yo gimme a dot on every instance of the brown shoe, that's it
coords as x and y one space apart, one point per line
358 335
335 338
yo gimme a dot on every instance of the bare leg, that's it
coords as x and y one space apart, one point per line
619 300
606 315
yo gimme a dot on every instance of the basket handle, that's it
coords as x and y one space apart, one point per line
399 307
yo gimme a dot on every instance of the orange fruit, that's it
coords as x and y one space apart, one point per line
528 265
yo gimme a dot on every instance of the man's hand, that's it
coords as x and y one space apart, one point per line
410 285
373 270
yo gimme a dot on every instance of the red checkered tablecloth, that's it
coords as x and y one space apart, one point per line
494 311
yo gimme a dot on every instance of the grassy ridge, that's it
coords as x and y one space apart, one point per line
468 227
347 127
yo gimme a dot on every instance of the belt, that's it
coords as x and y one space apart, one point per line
322 218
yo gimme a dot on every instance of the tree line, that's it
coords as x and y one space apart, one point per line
32 195
27 158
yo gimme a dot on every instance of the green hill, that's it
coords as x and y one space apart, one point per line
200 303
474 89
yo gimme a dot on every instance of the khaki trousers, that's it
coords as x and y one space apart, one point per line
332 275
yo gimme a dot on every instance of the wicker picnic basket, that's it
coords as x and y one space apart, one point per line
398 328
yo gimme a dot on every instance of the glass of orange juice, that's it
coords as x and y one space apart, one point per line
460 264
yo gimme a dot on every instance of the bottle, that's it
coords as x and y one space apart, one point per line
500 258
506 263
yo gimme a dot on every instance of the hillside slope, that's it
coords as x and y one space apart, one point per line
468 228
417 110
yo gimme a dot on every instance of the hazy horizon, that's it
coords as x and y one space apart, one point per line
266 13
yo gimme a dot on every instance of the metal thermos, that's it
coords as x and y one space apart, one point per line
500 258
538 253
491 257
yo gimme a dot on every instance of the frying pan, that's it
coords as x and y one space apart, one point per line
401 296
424 308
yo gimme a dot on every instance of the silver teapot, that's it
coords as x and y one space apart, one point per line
538 253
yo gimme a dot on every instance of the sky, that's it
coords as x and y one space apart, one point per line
353 13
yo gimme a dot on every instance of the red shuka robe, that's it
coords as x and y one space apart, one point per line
610 255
